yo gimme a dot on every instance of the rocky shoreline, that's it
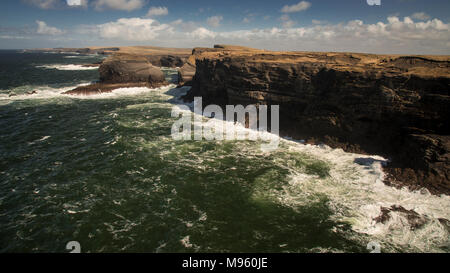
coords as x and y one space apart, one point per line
390 105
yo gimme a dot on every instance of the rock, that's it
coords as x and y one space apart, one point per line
186 74
167 60
100 88
125 68
394 106
414 219
92 65
132 67
428 159
445 223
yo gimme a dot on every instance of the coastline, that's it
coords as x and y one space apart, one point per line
331 125
120 144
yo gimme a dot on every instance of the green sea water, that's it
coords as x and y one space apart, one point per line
105 171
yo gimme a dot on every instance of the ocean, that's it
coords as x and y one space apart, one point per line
104 171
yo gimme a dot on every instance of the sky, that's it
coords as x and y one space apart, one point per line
393 27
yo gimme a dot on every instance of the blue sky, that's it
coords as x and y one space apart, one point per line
396 26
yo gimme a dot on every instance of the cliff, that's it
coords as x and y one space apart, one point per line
395 106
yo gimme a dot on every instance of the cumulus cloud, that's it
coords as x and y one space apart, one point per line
127 5
77 3
318 22
287 22
133 29
214 21
44 4
9 37
202 33
420 16
393 35
44 29
157 11
57 4
300 6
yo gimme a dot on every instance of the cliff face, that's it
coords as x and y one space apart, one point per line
167 60
396 106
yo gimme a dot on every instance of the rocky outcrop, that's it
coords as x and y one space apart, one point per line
133 66
395 106
100 88
124 68
414 220
167 60
187 72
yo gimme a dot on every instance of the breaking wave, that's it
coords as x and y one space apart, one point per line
68 67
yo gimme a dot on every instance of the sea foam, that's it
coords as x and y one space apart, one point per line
67 67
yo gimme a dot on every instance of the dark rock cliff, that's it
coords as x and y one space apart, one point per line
395 106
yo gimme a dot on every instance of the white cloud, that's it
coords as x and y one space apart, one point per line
300 6
318 22
77 3
202 33
157 11
44 4
214 21
127 5
177 22
44 29
74 2
420 16
394 36
10 37
287 22
133 29
391 36
57 4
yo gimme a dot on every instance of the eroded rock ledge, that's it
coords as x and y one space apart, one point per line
129 70
138 66
395 106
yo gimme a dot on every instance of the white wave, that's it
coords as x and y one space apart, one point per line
67 67
91 56
72 57
128 91
37 92
356 194
46 92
